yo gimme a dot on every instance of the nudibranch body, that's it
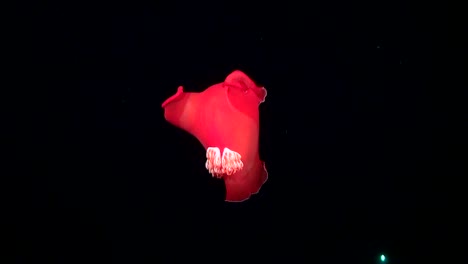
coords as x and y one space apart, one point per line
225 119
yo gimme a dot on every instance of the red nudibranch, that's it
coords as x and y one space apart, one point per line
225 119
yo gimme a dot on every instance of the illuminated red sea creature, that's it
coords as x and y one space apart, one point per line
225 119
